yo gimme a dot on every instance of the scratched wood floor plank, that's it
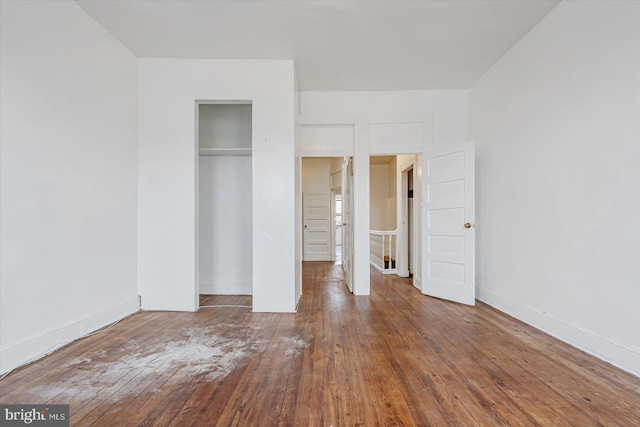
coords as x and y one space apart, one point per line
480 373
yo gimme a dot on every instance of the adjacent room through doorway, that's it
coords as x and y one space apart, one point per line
394 219
327 199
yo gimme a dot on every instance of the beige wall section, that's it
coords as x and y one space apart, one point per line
379 179
336 164
336 175
392 221
383 196
316 174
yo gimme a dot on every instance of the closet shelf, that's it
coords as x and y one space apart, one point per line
225 151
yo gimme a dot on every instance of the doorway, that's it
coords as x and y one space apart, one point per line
409 238
394 217
383 221
316 209
327 191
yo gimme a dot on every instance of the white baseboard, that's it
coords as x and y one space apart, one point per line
417 283
37 345
376 267
151 305
619 355
318 257
226 288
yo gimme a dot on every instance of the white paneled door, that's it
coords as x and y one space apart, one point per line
317 220
449 228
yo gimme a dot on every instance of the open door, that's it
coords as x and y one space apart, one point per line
347 218
336 197
448 218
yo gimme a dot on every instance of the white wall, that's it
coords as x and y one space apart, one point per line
224 126
68 178
225 225
168 90
298 221
448 108
557 127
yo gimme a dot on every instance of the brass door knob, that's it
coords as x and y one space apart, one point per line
468 225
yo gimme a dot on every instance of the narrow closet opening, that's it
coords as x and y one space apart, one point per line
225 238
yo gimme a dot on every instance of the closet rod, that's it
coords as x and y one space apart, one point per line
225 151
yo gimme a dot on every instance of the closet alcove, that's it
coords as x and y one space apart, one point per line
225 203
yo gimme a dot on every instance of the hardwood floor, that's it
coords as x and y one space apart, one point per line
393 358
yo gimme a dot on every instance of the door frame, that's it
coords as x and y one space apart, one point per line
403 229
332 226
373 134
334 192
336 188
347 222
331 190
197 104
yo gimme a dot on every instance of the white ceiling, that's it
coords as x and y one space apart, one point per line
336 45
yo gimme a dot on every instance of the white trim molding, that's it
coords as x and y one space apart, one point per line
227 287
393 134
30 348
618 355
